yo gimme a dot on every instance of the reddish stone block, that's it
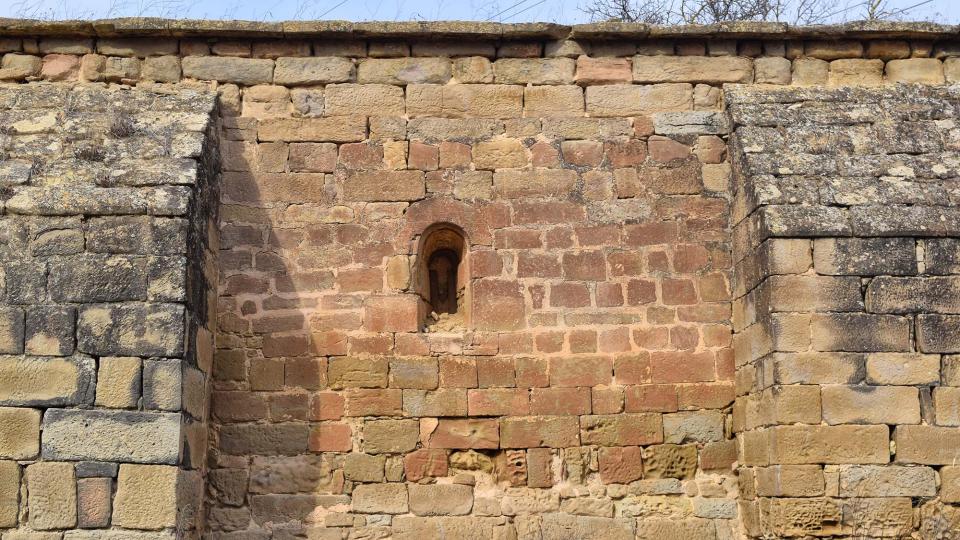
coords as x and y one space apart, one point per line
714 288
599 235
422 156
678 291
458 372
361 155
541 265
465 433
549 342
689 258
582 153
609 295
664 149
632 369
287 407
540 468
719 455
329 343
559 238
614 340
539 431
569 295
425 463
498 305
515 343
620 465
606 400
658 261
584 266
641 291
307 373
517 239
454 155
581 371
498 402
682 366
392 314
329 437
547 212
650 398
684 337
510 467
628 153
650 234
360 280
229 407
485 263
274 346
371 344
657 337
543 154
559 401
374 402
621 429
625 263
706 396
326 406
496 372
532 373
583 341
716 335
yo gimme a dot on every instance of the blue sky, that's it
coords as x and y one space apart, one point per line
561 11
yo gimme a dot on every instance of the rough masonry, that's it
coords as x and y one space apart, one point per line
455 280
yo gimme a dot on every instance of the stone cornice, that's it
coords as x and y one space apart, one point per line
145 27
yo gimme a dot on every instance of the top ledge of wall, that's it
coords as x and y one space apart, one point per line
144 26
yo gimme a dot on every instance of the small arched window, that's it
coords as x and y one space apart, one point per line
443 277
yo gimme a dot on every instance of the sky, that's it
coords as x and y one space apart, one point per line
559 11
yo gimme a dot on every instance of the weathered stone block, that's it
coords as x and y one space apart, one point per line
47 381
291 71
244 71
9 493
440 499
339 129
118 382
870 404
111 436
162 385
94 502
380 499
52 500
401 71
903 369
11 330
636 100
131 329
657 69
363 99
801 444
146 497
887 481
390 436
915 70
534 70
19 433
50 330
635 429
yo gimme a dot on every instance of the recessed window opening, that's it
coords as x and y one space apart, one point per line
443 278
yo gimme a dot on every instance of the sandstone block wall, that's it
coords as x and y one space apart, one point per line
596 381
107 286
845 241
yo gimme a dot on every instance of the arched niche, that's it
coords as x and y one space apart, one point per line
442 277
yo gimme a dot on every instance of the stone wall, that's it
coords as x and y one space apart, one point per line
846 294
107 284
585 388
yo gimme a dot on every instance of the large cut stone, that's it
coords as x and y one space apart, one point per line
47 381
131 329
123 436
